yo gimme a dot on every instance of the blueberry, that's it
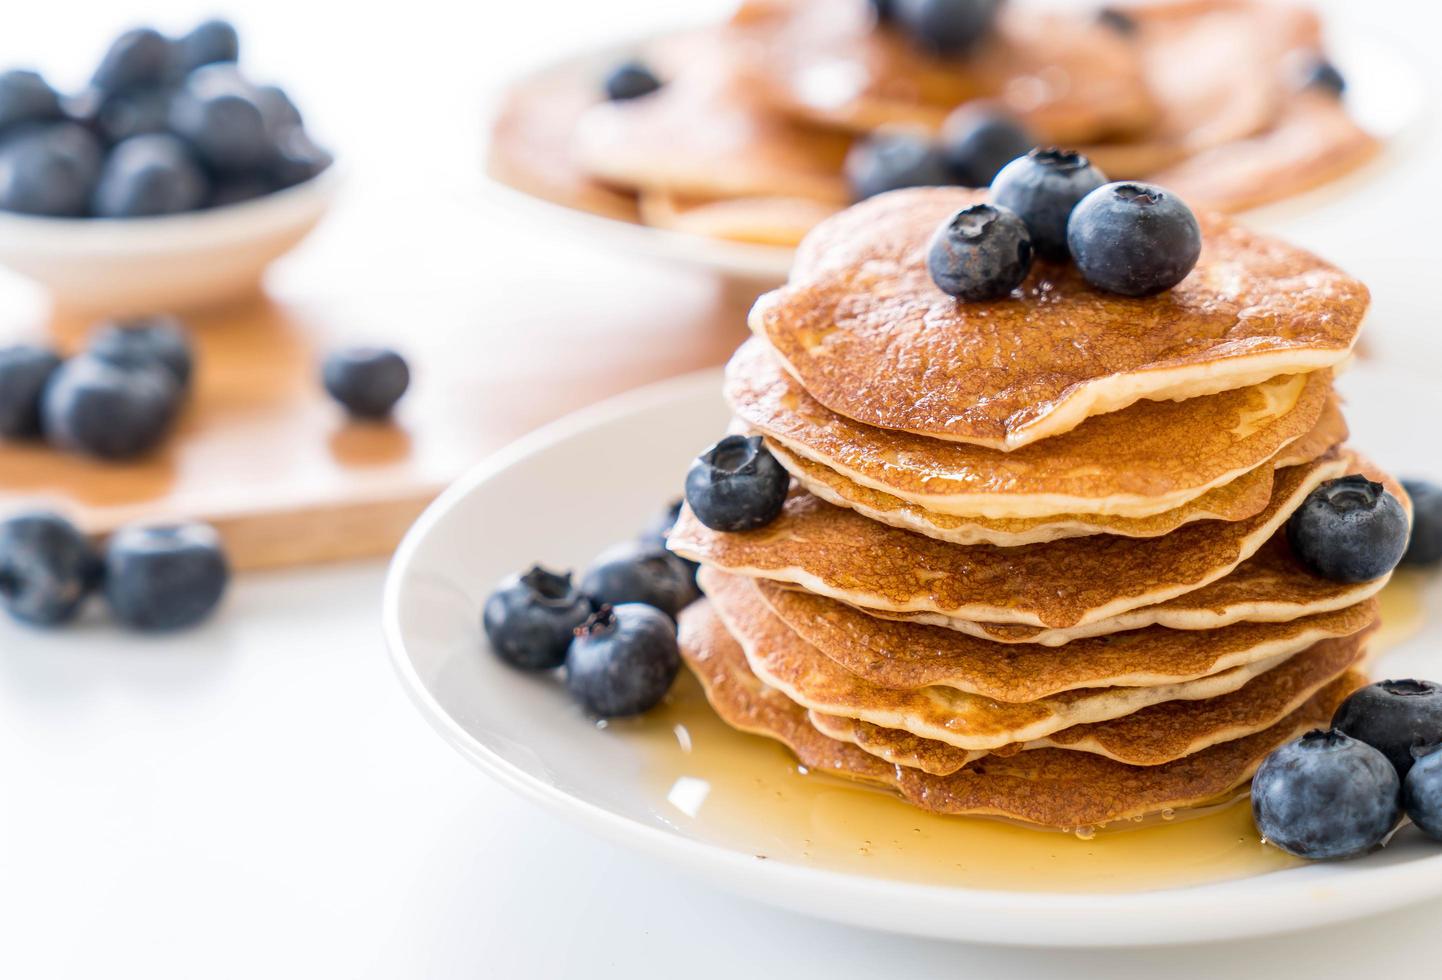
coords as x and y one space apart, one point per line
882 10
218 113
1326 796
297 158
47 568
164 577
49 170
978 140
946 27
637 572
1425 545
25 97
210 42
276 108
149 175
736 485
238 188
143 341
981 252
94 406
530 618
1133 239
655 533
1118 20
623 660
1394 717
368 381
889 161
134 113
1043 188
1422 792
137 58
1349 530
1322 75
25 369
630 80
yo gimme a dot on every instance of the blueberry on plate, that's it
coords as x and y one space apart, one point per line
630 80
26 97
978 140
25 369
368 381
1422 792
145 341
1043 188
134 112
216 111
211 41
1425 545
149 175
94 406
531 618
637 572
1118 20
1349 530
164 577
946 27
1323 76
981 252
1133 239
1326 796
623 660
889 161
47 568
1394 717
736 485
50 170
654 535
138 57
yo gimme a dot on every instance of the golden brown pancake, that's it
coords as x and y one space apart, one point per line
1147 459
1049 787
838 553
908 656
780 221
868 334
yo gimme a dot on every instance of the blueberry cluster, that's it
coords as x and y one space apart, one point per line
1128 238
165 126
615 633
154 578
943 27
976 142
115 400
1340 793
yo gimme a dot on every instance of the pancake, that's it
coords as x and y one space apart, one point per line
836 552
1147 459
782 660
781 221
909 656
1047 787
867 333
1153 736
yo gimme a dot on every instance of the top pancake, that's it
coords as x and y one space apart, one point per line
868 334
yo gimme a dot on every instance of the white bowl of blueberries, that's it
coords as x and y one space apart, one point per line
170 182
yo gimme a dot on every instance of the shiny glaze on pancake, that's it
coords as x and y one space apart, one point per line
866 332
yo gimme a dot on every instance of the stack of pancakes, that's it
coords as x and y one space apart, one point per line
1033 562
746 138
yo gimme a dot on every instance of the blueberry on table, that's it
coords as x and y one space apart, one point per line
94 406
25 369
144 341
1323 76
25 97
637 572
210 42
1133 239
736 485
978 140
368 381
1326 796
1349 530
134 112
217 112
1394 717
890 161
1043 188
1422 792
50 170
165 577
149 175
531 618
946 27
623 660
1425 545
981 252
630 80
139 57
47 568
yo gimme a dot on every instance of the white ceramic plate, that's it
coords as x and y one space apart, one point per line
1385 93
564 493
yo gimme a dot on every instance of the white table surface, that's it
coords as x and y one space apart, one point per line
258 798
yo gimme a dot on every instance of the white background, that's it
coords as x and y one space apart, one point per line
259 799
